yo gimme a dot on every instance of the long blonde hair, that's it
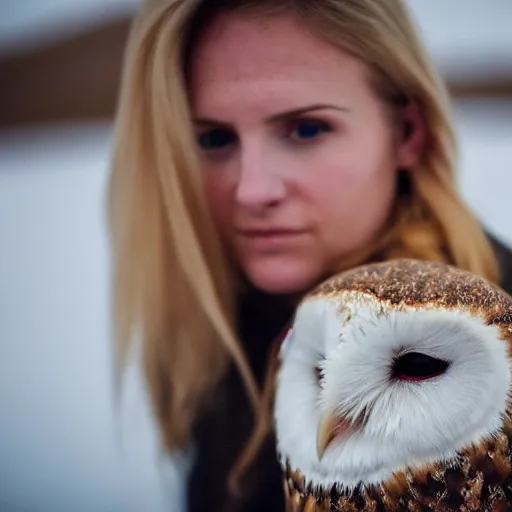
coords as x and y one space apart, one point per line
172 281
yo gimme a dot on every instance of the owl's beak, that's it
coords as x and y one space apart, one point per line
325 433
333 426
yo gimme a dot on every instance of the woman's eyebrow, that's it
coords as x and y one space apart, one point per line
304 110
282 116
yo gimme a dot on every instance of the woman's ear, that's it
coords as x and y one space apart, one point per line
412 137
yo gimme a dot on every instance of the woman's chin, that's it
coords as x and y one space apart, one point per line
281 276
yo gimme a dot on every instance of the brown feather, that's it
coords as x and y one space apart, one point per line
424 284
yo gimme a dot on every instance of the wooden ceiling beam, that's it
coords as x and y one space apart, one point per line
78 79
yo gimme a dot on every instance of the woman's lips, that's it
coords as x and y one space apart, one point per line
271 239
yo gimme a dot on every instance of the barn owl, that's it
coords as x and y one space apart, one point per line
393 393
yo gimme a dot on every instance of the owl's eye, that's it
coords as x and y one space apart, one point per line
318 374
414 366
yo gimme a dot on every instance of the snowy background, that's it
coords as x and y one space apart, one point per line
60 443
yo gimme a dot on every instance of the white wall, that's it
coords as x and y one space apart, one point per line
485 179
60 444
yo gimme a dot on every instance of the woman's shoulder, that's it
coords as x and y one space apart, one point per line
504 256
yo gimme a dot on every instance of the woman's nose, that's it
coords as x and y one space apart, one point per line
260 182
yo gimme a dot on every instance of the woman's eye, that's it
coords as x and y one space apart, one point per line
415 366
216 139
308 130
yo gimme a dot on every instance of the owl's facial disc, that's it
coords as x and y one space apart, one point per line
406 366
365 390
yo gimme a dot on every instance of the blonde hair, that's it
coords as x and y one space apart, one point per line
172 281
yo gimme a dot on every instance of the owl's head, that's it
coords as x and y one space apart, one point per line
391 367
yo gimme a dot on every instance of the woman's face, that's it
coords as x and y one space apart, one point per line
300 156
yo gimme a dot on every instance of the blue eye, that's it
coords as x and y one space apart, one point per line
216 139
308 130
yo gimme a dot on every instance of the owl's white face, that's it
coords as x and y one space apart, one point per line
416 386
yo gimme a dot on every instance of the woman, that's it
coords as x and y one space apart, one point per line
260 147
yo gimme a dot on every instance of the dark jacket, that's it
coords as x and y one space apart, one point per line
222 431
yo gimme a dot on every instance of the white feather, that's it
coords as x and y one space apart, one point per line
354 340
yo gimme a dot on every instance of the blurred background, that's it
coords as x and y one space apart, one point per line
63 444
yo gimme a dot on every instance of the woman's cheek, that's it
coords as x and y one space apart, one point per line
218 203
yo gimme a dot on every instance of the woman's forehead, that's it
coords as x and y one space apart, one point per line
270 59
238 47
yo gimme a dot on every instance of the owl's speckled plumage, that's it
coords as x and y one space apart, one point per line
478 475
479 480
424 284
